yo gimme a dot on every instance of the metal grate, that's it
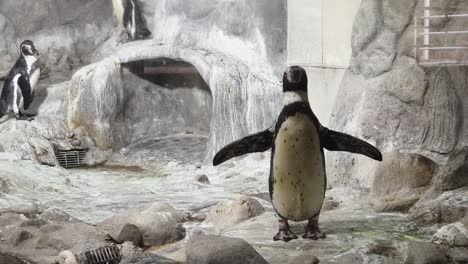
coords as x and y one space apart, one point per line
70 158
104 255
454 51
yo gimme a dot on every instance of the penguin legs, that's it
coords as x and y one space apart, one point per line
20 116
312 230
284 233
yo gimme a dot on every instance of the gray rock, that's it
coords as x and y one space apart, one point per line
34 223
229 213
202 179
159 224
399 181
147 258
66 257
305 259
407 74
11 260
204 249
459 255
454 235
448 207
54 214
130 233
351 258
452 175
426 253
19 236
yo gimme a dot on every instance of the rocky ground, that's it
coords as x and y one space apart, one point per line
181 210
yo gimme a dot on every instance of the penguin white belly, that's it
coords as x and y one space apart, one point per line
34 78
118 10
298 172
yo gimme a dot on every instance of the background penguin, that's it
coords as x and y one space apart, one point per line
297 181
129 17
18 89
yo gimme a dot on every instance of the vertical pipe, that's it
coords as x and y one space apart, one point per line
427 24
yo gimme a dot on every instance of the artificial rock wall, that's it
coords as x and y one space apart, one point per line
390 100
238 48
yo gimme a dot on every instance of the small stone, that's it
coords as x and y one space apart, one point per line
75 143
129 250
66 257
130 233
202 179
305 259
70 134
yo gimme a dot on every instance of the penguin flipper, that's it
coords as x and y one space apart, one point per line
25 87
258 142
337 141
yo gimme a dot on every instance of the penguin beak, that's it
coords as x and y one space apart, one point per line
36 52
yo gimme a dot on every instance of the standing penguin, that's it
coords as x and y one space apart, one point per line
130 19
18 89
297 181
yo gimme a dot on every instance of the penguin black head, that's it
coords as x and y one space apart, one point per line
27 48
294 79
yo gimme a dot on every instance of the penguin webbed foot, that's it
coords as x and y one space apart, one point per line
285 235
285 232
312 230
25 117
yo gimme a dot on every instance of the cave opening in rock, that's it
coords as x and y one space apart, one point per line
167 110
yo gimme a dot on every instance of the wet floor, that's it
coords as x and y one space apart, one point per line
94 194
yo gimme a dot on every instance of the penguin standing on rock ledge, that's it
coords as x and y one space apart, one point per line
297 181
130 19
18 89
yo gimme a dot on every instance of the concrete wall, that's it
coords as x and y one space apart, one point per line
319 39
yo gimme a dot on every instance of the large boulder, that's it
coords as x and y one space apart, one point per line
454 235
205 249
426 253
448 207
399 181
229 213
159 224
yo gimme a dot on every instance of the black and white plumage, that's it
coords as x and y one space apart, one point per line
130 19
18 89
297 181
